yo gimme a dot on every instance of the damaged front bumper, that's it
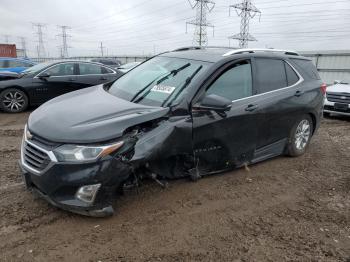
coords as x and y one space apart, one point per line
60 183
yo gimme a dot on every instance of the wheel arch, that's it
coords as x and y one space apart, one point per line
314 122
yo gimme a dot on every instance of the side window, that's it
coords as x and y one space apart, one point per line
308 67
2 63
90 69
235 83
61 70
292 77
270 75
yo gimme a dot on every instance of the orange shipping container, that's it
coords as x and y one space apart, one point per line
8 50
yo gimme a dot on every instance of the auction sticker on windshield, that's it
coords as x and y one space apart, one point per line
163 89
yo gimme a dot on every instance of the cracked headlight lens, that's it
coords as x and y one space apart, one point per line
79 153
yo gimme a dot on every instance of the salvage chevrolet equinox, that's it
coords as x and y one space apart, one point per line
186 113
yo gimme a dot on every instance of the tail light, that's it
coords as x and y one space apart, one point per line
323 88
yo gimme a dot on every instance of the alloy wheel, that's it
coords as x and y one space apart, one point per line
13 101
302 134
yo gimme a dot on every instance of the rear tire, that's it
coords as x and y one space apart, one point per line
13 100
300 136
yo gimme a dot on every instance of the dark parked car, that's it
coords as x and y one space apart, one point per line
45 81
108 61
7 75
186 113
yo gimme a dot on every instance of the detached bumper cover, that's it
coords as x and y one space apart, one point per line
59 184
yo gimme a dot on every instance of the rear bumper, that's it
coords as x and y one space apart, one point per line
59 184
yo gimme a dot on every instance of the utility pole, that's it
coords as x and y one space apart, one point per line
64 35
246 10
202 8
102 48
6 38
40 47
23 45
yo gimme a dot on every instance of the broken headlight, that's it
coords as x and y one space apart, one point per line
79 153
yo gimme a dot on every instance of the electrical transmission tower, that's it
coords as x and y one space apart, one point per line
64 47
23 45
203 7
102 48
246 10
40 47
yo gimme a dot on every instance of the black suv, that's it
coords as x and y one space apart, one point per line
186 113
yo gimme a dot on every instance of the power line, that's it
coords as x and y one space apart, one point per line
64 35
39 32
200 34
246 10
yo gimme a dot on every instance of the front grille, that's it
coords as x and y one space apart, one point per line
338 97
34 157
331 108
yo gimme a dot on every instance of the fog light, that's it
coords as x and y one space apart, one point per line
88 193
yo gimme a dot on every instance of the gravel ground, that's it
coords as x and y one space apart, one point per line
284 209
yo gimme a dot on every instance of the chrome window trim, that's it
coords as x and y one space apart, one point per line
301 79
114 72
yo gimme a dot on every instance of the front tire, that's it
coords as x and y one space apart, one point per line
13 100
300 136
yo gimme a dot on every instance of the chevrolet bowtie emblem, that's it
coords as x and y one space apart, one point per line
29 135
343 97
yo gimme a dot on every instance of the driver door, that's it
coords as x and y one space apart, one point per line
61 79
223 140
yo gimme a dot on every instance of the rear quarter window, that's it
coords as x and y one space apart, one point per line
270 74
292 77
308 67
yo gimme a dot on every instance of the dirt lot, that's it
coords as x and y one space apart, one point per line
285 209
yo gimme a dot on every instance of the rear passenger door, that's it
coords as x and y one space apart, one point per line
94 74
278 94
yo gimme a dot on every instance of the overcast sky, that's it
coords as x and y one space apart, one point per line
142 27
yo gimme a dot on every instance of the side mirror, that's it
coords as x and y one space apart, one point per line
44 75
215 102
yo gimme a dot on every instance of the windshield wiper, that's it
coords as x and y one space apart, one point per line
172 72
187 82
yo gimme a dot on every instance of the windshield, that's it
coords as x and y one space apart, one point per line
158 82
36 68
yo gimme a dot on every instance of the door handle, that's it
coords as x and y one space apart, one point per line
71 79
299 93
103 78
251 107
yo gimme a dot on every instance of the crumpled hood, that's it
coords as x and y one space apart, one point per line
89 115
